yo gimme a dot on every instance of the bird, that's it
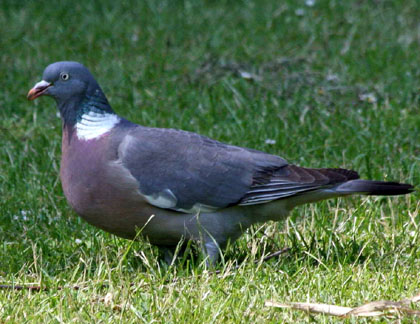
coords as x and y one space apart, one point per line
171 185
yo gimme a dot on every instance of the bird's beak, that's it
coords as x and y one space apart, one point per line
38 89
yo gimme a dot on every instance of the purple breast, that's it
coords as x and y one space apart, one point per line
83 164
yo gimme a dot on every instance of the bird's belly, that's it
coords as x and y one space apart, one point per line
106 199
107 196
130 217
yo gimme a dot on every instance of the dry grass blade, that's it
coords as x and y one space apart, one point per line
376 308
382 307
313 308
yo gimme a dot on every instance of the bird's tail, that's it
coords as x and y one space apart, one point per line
303 185
374 188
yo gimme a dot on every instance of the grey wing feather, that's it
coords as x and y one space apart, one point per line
182 171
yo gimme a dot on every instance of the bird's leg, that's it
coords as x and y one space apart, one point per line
211 251
167 253
170 253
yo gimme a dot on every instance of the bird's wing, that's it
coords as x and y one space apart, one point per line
187 172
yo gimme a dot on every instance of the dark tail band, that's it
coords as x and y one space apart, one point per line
377 188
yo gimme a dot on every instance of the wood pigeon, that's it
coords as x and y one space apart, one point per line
172 184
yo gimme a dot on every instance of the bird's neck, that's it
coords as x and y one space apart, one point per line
90 116
74 108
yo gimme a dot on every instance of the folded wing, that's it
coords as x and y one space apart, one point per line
187 172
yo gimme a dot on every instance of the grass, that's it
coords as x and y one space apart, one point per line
335 84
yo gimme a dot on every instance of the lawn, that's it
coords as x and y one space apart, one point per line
321 83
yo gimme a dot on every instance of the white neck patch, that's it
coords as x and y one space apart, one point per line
92 125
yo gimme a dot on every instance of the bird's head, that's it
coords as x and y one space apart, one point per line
72 86
63 81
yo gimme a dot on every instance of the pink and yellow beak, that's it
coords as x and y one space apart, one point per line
38 89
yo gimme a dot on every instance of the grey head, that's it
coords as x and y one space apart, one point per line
74 89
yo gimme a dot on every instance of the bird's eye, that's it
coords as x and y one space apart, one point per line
64 76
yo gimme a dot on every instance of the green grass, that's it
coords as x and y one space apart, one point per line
178 64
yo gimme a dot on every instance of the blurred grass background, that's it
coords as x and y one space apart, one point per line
321 83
